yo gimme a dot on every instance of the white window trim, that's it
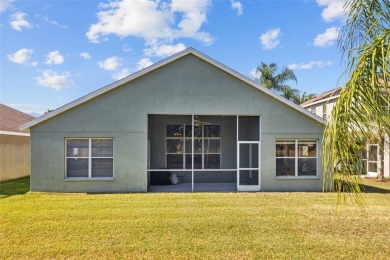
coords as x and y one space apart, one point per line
324 111
89 159
296 158
184 139
368 173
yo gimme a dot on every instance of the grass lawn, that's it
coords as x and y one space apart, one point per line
193 225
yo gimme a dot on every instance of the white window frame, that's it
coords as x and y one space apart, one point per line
324 111
367 159
189 138
89 157
297 157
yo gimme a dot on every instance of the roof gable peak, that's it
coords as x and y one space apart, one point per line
160 64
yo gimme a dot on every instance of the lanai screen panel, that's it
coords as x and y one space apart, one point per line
175 144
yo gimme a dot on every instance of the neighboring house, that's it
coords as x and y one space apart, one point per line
322 106
14 144
188 118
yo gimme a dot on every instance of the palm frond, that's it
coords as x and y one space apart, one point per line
358 114
274 80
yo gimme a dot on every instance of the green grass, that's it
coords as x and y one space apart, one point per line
192 225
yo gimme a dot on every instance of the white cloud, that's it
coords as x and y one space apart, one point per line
121 74
130 18
55 80
193 16
333 10
85 55
110 64
152 20
31 109
164 49
5 4
270 39
113 64
54 57
53 22
21 56
143 63
18 22
237 6
254 74
126 48
328 38
309 65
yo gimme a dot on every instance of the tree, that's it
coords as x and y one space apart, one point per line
48 111
275 81
359 113
299 99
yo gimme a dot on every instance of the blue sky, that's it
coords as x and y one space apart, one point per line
53 52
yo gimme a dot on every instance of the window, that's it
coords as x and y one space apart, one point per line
370 159
313 110
207 146
324 115
296 158
89 158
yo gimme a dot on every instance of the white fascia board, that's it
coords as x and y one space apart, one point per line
13 133
258 86
103 90
322 101
157 65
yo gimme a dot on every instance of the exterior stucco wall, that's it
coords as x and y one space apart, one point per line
14 157
319 108
269 181
186 86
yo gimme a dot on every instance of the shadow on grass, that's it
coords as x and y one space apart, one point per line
372 189
14 187
368 185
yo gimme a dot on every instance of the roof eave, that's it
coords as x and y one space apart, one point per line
320 101
2 132
261 88
157 65
102 90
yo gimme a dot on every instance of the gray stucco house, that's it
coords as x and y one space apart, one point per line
187 117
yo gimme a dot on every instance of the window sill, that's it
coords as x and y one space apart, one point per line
297 178
90 179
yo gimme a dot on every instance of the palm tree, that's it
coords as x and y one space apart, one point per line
271 79
299 99
358 114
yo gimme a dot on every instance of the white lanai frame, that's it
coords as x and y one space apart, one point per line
254 171
254 186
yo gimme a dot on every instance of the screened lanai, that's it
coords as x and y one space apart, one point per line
203 153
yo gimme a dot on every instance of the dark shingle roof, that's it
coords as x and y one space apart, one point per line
11 119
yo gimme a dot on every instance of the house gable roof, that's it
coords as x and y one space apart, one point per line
155 66
326 96
11 119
